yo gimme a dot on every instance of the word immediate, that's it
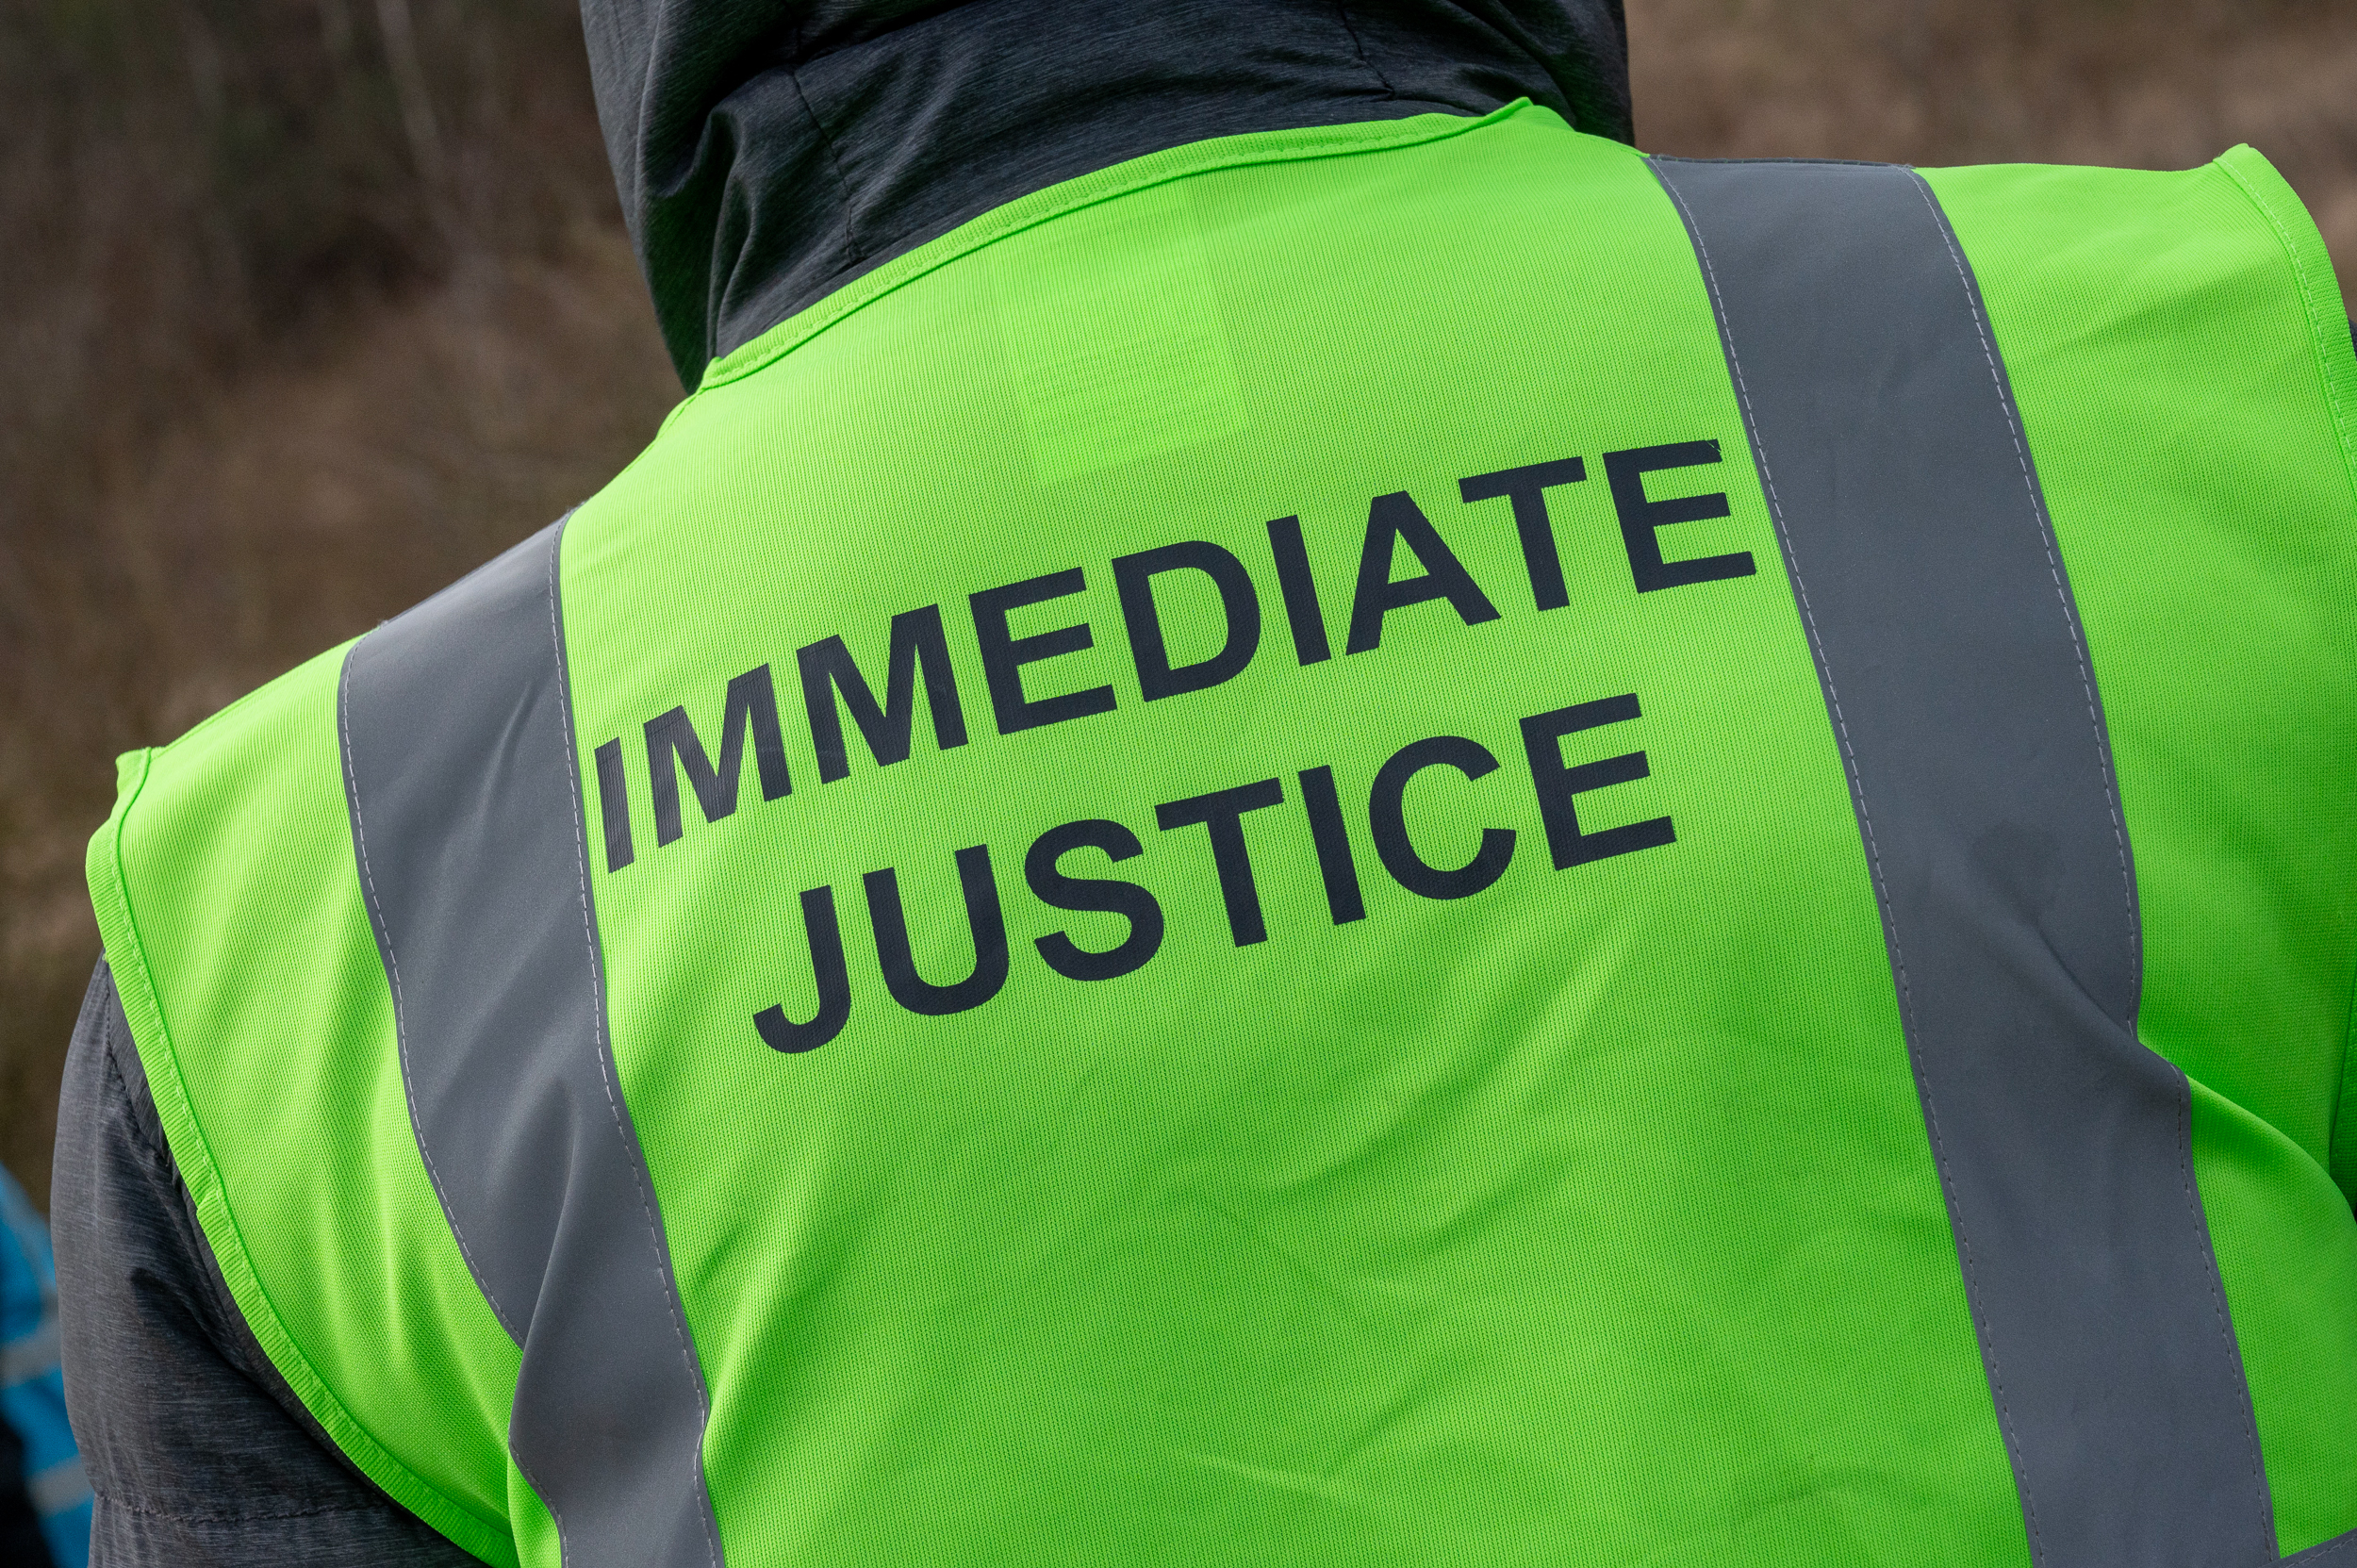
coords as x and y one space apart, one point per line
831 682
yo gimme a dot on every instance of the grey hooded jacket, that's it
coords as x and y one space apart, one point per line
766 154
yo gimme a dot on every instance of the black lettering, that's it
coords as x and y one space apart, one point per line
983 918
1396 517
1005 654
827 666
780 1032
1336 868
1527 488
614 805
1303 613
752 705
1221 813
1240 608
1640 517
1092 895
1543 740
1388 818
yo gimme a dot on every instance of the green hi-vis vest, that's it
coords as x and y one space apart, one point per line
1396 845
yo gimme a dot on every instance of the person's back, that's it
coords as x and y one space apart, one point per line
1383 842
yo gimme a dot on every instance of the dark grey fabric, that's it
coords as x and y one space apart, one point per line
460 773
1955 672
200 1455
21 1541
767 153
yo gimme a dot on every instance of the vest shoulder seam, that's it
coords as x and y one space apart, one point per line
2334 355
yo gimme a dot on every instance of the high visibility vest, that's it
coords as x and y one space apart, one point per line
1419 843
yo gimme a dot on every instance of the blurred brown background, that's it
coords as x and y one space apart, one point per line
309 305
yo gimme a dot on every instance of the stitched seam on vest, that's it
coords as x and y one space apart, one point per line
556 1516
2111 800
2217 1305
1882 894
1722 162
400 1012
605 1068
2053 564
2344 417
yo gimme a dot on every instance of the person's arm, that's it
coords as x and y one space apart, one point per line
199 1454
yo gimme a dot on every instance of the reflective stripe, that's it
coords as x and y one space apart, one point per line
1953 665
57 1487
31 1356
461 776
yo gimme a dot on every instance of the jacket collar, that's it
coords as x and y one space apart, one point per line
767 155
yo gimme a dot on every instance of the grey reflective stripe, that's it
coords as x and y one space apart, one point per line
31 1356
461 776
57 1487
1933 593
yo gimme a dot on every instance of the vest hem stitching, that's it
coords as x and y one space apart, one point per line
400 1010
605 1067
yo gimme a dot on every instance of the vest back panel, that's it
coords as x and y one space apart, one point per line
1312 1239
1226 914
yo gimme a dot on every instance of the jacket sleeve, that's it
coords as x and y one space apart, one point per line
199 1454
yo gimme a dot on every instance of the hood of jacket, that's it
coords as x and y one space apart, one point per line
769 151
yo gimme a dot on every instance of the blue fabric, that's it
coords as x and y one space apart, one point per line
32 1383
